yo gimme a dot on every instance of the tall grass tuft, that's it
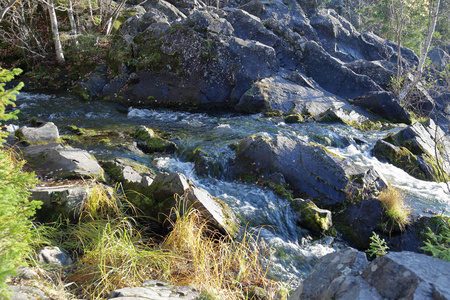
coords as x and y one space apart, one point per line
114 253
396 209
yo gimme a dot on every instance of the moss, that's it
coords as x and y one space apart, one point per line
273 112
365 126
76 130
295 118
310 218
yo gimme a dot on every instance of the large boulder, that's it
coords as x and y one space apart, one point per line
56 161
415 150
308 168
439 58
346 274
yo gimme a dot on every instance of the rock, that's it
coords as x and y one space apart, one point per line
54 256
380 71
289 97
413 150
311 217
27 273
65 200
165 186
27 293
146 181
330 268
216 212
149 142
53 160
155 290
346 274
46 133
309 169
439 58
409 275
124 170
358 222
94 84
384 104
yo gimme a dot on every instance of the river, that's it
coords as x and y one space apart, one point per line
292 254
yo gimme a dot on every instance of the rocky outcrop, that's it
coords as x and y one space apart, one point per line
199 57
55 161
346 274
308 168
414 150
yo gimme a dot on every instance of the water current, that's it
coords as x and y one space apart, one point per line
292 253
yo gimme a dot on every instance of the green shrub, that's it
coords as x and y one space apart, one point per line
438 243
15 208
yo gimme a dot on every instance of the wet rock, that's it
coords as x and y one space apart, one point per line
358 222
155 290
311 217
149 142
54 256
414 150
309 169
54 160
46 133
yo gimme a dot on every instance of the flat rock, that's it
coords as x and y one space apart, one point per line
45 133
155 290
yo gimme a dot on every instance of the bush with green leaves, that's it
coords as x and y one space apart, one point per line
15 207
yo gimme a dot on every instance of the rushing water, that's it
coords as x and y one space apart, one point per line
292 254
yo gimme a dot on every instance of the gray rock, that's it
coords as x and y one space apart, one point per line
27 293
216 212
408 275
308 169
380 71
413 149
65 199
167 185
384 104
27 273
45 133
146 181
330 270
155 290
53 160
54 256
439 58
289 97
346 274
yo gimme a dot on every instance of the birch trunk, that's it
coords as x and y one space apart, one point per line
73 24
58 48
418 74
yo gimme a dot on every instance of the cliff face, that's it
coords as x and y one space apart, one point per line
192 55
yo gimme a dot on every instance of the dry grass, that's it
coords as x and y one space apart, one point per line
114 254
396 209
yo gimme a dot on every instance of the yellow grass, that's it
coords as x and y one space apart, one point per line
396 209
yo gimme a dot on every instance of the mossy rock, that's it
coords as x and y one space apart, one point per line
296 118
149 142
311 217
76 130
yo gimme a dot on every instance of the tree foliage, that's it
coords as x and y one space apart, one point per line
15 207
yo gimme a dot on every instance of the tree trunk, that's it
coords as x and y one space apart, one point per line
58 48
73 24
113 17
418 74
